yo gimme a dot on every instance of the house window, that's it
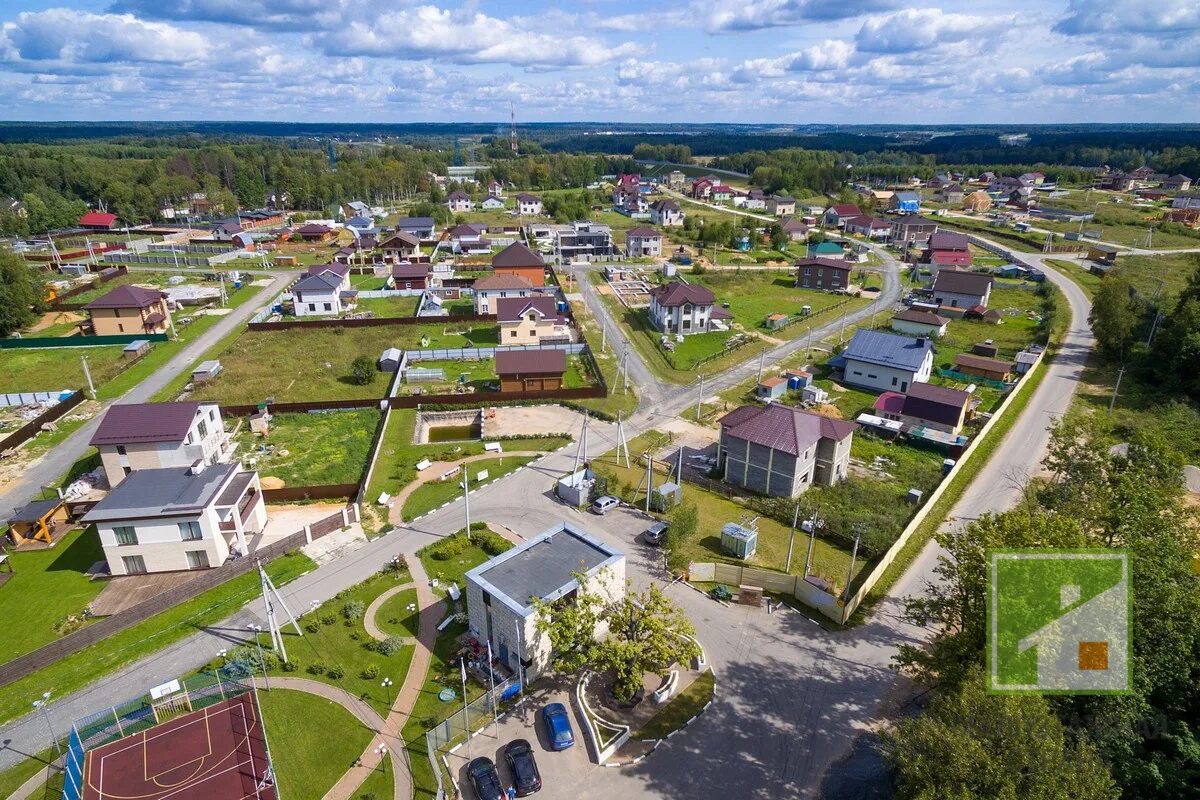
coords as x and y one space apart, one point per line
134 565
512 334
127 469
203 429
120 449
190 531
197 559
895 381
125 534
120 327
328 306
312 306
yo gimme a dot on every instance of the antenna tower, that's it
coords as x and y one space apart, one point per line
512 131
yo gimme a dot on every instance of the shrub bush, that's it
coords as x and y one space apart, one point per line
317 668
370 673
491 542
448 548
334 673
289 666
313 626
354 609
327 618
390 646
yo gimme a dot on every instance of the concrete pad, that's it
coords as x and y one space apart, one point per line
335 545
531 421
284 520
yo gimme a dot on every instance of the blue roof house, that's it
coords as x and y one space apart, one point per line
886 362
906 202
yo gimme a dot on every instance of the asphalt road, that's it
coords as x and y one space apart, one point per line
49 467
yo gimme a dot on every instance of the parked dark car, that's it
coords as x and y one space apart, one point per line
485 780
558 726
526 778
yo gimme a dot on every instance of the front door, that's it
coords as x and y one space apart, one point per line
503 652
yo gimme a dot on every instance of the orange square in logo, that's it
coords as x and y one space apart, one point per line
1093 655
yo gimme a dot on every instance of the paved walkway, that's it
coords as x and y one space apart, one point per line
374 630
396 504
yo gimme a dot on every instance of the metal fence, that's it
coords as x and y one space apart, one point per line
477 712
456 353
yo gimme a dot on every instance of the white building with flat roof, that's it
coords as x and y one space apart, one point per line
500 592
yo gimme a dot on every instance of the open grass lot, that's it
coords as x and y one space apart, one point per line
321 448
367 282
396 466
140 278
1141 408
1004 234
93 663
1122 224
479 373
12 778
395 618
290 365
313 741
388 307
829 559
1078 272
1147 272
47 586
335 640
680 708
431 495
50 369
753 294
619 400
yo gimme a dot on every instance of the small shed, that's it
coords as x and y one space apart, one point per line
260 423
771 388
136 348
739 540
206 371
986 348
575 489
389 361
667 496
1028 358
798 378
776 321
38 521
669 269
814 394
286 261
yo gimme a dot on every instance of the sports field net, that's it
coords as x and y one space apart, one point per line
139 714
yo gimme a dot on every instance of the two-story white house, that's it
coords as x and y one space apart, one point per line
685 309
490 289
643 241
135 436
178 518
528 204
325 290
459 202
666 213
886 362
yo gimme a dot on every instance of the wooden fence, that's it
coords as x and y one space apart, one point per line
34 426
209 579
58 305
328 491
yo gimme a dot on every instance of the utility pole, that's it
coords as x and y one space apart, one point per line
1113 400
792 539
649 479
842 330
466 483
762 355
699 398
853 558
87 373
603 338
813 524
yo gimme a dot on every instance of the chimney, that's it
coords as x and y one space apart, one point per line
197 466
920 341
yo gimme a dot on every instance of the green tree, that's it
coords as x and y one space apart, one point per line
1114 318
570 625
362 371
972 744
646 633
22 293
685 518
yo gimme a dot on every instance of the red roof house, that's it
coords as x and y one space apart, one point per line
98 221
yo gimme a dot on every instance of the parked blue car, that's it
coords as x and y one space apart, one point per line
558 726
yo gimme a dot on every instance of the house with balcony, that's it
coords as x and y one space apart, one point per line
531 320
460 202
177 519
528 204
128 309
581 240
685 309
324 291
666 213
492 288
134 436
643 242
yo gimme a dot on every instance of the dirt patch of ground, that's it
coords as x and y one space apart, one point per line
531 421
270 482
51 318
827 410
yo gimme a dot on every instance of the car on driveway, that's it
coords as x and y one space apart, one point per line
604 504
526 778
656 533
558 726
485 780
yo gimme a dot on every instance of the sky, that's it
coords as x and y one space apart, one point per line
764 61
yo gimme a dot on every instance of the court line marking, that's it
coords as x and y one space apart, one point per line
148 778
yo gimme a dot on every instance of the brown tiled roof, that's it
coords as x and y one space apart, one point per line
961 282
127 296
517 255
784 428
511 309
410 271
935 403
399 239
135 423
677 293
342 270
502 281
828 263
948 240
981 362
642 232
545 361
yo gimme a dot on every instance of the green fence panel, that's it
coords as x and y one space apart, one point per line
79 341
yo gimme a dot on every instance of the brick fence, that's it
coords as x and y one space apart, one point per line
74 642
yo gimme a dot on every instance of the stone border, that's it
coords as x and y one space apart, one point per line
658 742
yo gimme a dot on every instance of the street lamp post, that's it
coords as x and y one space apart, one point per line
40 705
386 683
257 629
382 750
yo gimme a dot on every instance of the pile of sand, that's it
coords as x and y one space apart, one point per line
270 482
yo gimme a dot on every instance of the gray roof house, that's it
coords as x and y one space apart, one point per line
500 592
886 362
780 451
954 289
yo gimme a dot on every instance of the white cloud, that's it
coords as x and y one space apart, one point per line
920 28
466 38
237 12
724 16
64 35
1130 16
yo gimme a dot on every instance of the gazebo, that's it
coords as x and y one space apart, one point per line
39 521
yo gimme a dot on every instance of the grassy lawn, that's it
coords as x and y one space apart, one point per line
479 373
1148 273
431 495
394 616
367 282
332 641
52 369
452 569
313 449
12 778
379 785
139 278
396 466
313 741
47 586
1122 224
680 708
1077 272
92 663
1027 242
290 365
1141 408
619 400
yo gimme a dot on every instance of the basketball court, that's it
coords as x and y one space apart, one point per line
217 753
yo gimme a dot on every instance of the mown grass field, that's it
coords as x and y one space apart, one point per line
329 447
313 741
753 294
50 369
431 495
